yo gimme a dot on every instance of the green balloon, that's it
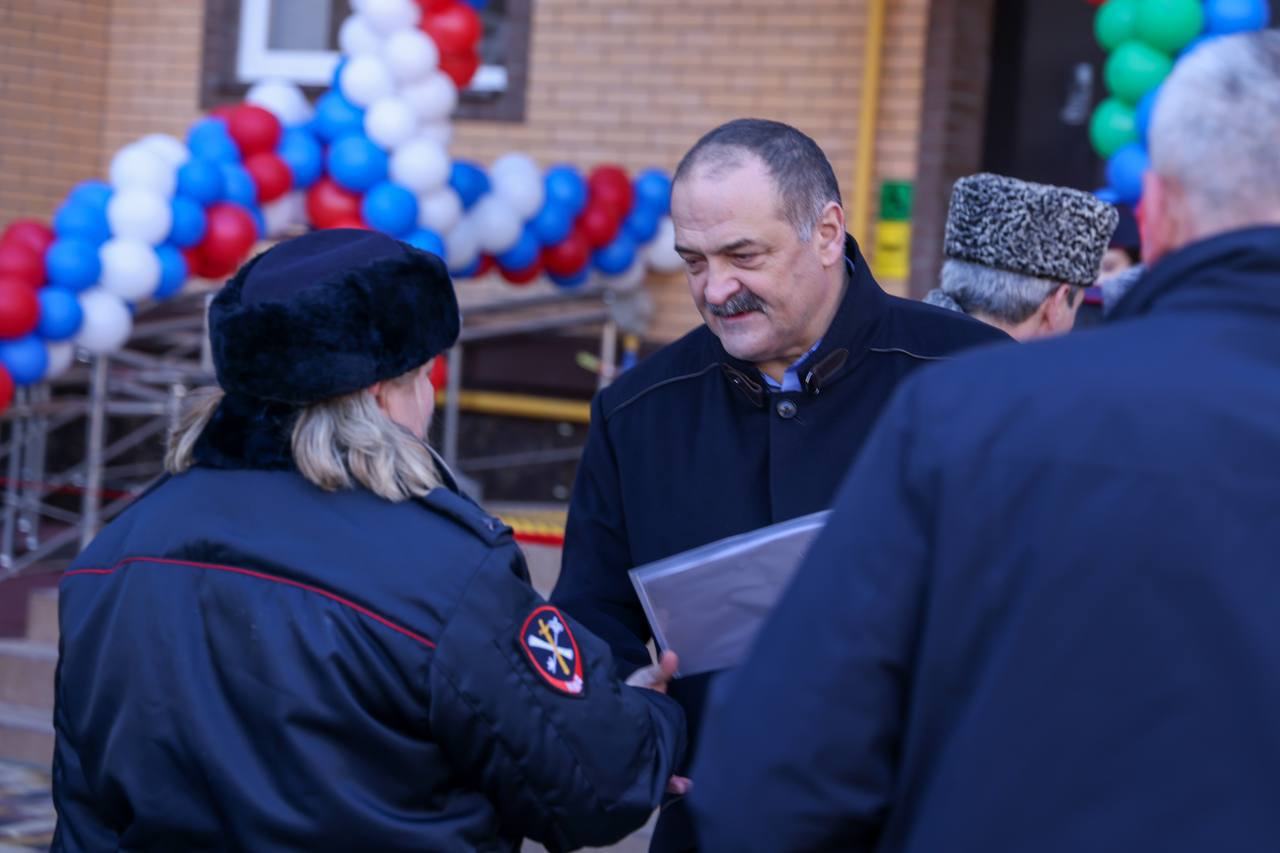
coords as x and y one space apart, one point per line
1169 25
1113 126
1116 23
1134 69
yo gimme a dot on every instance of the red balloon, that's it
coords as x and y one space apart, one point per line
254 129
460 67
328 203
599 224
223 111
455 28
28 232
203 266
430 7
19 308
270 175
6 389
20 261
523 276
610 185
439 372
350 222
569 255
229 236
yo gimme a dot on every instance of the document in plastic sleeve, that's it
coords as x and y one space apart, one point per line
707 604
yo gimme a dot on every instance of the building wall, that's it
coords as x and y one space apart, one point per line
610 81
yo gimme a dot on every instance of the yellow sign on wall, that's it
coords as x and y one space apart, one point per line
893 250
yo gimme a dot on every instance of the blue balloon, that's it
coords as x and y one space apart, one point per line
209 139
60 314
78 221
642 224
173 271
91 193
469 181
259 221
566 188
523 254
337 74
1125 170
72 263
201 180
357 164
616 257
1235 16
653 190
574 280
478 5
188 222
336 117
552 224
301 152
391 209
238 185
469 271
1107 194
427 241
1143 113
26 359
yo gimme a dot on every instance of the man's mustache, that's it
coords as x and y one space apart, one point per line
740 303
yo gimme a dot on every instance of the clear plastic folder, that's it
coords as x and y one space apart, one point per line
707 604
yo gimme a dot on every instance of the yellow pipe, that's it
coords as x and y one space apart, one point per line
866 158
520 406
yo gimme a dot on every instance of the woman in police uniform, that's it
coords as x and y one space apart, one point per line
305 638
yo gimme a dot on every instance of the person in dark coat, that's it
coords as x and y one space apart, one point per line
1019 255
306 638
1121 268
752 418
954 666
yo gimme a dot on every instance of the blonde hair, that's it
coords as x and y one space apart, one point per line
336 443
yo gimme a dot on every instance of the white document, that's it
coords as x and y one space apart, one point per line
708 604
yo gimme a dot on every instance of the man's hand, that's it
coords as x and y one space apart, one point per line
656 677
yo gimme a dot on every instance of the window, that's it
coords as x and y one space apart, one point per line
249 40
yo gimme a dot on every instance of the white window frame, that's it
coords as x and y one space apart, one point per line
256 61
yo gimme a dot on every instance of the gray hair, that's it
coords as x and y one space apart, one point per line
803 176
336 444
1216 128
1009 297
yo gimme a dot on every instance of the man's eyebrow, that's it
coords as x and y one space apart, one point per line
727 248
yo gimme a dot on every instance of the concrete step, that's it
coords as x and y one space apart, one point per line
26 735
26 673
42 616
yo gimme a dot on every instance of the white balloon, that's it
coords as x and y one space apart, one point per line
139 215
136 167
389 16
366 79
497 224
420 166
411 55
283 99
107 322
167 148
518 181
61 356
356 37
628 280
390 122
462 245
284 213
432 98
660 253
440 132
130 269
440 211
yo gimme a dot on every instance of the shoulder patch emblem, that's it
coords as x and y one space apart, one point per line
552 651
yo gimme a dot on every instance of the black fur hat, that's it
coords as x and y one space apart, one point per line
329 313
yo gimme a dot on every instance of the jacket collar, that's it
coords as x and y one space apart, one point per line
852 330
1233 271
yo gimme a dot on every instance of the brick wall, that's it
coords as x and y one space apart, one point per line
53 57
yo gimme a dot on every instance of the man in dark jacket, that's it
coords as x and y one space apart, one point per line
955 667
306 638
753 418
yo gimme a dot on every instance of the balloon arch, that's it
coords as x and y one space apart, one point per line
371 153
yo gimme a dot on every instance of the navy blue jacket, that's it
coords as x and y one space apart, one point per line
249 663
688 447
1045 614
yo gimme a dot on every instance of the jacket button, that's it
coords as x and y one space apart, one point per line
786 410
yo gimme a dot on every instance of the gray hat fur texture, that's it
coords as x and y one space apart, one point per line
1040 230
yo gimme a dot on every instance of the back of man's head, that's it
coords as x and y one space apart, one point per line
802 175
1215 143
